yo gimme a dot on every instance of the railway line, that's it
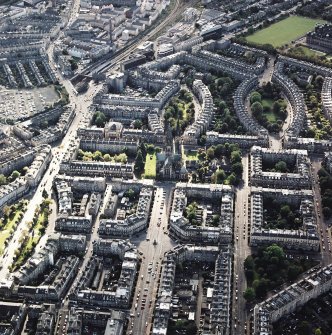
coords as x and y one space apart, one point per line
104 65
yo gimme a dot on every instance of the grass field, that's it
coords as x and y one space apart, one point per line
285 31
150 168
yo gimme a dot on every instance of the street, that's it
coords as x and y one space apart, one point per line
153 247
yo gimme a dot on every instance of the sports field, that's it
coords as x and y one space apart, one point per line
284 31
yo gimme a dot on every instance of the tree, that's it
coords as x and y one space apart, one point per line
130 193
73 65
255 97
139 162
150 149
99 119
285 211
138 124
218 150
191 329
318 331
210 153
107 158
215 219
319 81
3 180
249 294
281 166
220 176
44 194
327 212
121 158
304 328
294 271
202 140
235 156
142 147
15 174
275 251
237 168
257 109
231 179
261 289
7 210
100 122
249 263
97 156
222 105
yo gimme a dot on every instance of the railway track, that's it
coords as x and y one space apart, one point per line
106 64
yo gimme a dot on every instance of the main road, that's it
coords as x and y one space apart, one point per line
152 245
241 250
78 103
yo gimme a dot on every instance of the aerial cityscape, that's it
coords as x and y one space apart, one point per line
166 167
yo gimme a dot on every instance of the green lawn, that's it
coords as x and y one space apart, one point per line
302 50
4 234
150 168
271 117
284 31
267 102
190 156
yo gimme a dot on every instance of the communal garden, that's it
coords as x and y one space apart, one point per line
220 164
8 223
201 213
269 268
319 126
281 215
30 238
222 88
325 183
101 157
146 161
268 107
180 112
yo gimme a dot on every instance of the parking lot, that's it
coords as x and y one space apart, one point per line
20 104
